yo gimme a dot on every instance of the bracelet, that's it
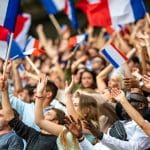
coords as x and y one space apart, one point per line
39 97
81 138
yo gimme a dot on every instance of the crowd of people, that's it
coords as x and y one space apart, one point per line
79 100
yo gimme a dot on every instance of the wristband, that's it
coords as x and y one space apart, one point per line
39 97
81 138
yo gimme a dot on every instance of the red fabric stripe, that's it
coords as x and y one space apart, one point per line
19 24
66 7
3 34
37 51
82 4
72 41
99 14
109 30
119 51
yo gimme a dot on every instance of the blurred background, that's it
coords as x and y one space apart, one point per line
39 16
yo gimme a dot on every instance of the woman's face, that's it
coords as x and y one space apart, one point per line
87 80
76 102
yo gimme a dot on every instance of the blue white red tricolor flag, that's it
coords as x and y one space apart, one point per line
8 13
15 51
53 6
74 40
33 47
22 27
113 12
70 11
114 55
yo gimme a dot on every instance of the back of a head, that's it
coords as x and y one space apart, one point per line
50 86
88 106
137 97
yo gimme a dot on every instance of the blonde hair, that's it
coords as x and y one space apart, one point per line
65 143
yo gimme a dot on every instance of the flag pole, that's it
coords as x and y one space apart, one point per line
33 65
148 17
8 53
55 23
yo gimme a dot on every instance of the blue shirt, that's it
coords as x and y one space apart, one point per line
10 141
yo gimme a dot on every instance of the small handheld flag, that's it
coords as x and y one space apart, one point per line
77 39
114 55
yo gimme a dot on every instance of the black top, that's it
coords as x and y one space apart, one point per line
35 140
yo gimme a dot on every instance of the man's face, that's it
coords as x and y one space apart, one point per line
3 122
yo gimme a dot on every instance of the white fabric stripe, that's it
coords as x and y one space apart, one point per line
115 55
80 38
3 10
21 38
30 48
69 11
3 49
60 4
120 11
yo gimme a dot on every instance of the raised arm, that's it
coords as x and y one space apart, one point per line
49 126
69 103
8 111
132 112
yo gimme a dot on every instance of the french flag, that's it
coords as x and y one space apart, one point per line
70 11
78 39
15 51
8 13
114 55
114 12
22 27
33 47
53 6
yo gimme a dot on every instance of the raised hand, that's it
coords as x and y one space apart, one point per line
69 88
118 95
146 80
90 126
41 85
8 67
3 83
130 83
75 127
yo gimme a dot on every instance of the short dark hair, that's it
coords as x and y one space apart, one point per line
137 97
60 115
50 86
30 89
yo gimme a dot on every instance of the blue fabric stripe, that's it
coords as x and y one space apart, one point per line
109 58
11 15
74 20
15 51
49 6
138 8
27 42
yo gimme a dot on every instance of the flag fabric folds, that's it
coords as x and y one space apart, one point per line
114 55
113 12
70 11
53 6
33 47
15 51
73 41
22 27
8 13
